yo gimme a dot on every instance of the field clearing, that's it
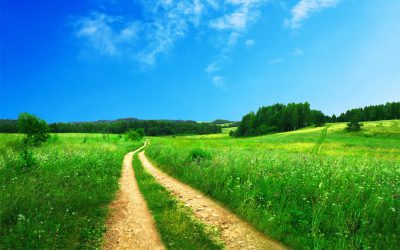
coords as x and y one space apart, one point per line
344 195
56 196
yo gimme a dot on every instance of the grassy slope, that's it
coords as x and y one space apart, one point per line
177 226
62 201
344 195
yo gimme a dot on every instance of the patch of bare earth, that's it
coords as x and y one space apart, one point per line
130 224
235 233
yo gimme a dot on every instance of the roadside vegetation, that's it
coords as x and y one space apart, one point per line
55 196
178 228
345 194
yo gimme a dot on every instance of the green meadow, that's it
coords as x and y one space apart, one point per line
55 196
314 188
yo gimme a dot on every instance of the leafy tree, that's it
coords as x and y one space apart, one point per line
354 126
133 135
318 118
35 129
277 117
140 132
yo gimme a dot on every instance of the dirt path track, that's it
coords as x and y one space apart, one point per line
130 225
235 233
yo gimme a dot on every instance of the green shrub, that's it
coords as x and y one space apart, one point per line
134 135
35 129
28 161
354 126
198 154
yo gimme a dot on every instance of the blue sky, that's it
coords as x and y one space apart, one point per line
195 59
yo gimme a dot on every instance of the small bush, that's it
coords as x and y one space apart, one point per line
134 135
197 155
28 161
354 126
53 138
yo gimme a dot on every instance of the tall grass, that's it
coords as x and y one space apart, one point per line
60 200
304 200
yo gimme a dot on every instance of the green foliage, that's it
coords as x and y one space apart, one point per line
354 126
276 118
28 161
150 127
346 197
35 129
318 118
62 204
140 132
388 111
199 154
175 222
134 135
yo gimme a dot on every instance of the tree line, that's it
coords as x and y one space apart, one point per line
281 118
150 127
388 111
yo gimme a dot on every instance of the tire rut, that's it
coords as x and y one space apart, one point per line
235 233
130 224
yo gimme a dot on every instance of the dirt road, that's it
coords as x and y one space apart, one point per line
235 233
130 225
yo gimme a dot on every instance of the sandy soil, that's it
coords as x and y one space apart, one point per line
130 224
235 233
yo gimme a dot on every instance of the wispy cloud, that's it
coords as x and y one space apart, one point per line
275 61
236 19
304 8
98 33
219 82
163 23
249 43
297 52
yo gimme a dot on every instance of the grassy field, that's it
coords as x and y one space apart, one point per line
56 196
312 188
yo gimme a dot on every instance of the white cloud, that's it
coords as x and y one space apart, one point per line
213 67
163 23
275 61
304 8
98 33
218 81
241 14
249 43
298 52
231 21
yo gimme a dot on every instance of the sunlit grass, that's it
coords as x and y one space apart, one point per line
60 202
346 195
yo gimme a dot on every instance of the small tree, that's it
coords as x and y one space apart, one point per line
35 129
140 132
354 125
134 135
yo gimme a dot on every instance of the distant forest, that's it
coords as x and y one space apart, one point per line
280 117
151 127
388 111
269 119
